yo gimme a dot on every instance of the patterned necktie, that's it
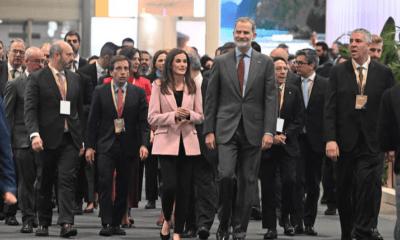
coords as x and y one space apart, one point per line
13 73
240 73
361 76
61 87
279 98
120 106
305 91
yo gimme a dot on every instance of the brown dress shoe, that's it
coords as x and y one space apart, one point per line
67 231
42 231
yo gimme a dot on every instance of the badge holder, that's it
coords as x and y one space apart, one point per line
119 125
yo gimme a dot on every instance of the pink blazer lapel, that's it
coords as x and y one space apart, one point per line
186 98
171 99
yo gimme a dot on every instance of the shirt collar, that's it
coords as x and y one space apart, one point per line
99 68
11 68
365 65
56 71
123 87
26 72
311 78
239 53
281 86
77 58
198 78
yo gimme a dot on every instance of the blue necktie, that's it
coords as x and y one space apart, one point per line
305 91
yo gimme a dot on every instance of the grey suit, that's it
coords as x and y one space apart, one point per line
23 154
239 124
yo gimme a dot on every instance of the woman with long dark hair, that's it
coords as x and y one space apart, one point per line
175 106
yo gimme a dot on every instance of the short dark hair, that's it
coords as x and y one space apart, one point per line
93 57
118 58
108 49
256 46
128 40
226 46
311 56
146 52
323 45
279 58
282 45
344 57
72 33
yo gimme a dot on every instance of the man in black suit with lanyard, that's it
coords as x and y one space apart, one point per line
54 120
352 102
119 132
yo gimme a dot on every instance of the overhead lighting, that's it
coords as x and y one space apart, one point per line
1 21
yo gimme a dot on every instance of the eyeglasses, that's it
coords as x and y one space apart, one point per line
300 63
38 61
72 41
18 51
281 68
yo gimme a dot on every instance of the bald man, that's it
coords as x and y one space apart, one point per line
53 118
281 52
45 48
21 146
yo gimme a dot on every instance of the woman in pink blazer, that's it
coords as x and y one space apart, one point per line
175 106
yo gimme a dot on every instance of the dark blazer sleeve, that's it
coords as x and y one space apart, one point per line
270 99
330 107
10 102
386 123
294 127
82 62
93 121
32 93
212 97
144 127
7 171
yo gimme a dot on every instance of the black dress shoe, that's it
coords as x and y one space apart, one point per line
298 229
118 231
288 229
324 199
150 205
88 210
375 234
2 216
189 233
203 233
309 230
42 231
130 217
271 234
222 235
12 221
68 231
255 214
78 211
34 223
27 227
106 231
330 211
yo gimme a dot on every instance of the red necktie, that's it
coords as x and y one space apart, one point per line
120 103
240 73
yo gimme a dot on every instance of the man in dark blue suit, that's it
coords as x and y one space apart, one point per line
117 128
8 185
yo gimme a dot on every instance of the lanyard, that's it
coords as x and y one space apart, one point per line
282 95
58 82
364 80
115 102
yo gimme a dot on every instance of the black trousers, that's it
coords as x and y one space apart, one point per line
287 168
238 153
359 164
26 163
65 160
114 159
201 204
329 181
151 172
378 189
308 178
176 174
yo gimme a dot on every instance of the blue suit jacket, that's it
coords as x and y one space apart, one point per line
7 172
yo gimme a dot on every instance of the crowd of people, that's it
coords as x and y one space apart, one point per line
202 132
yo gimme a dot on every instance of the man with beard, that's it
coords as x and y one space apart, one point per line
240 118
325 63
375 51
45 48
23 154
54 120
144 68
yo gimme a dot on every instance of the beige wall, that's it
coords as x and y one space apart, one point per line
213 22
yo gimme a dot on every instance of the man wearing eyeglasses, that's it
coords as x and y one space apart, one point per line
23 154
13 68
54 120
308 166
73 38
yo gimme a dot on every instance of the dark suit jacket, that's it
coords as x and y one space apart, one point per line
100 129
152 76
87 90
7 172
101 79
314 113
292 113
4 77
14 103
210 154
342 122
91 71
82 62
389 124
42 108
225 106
